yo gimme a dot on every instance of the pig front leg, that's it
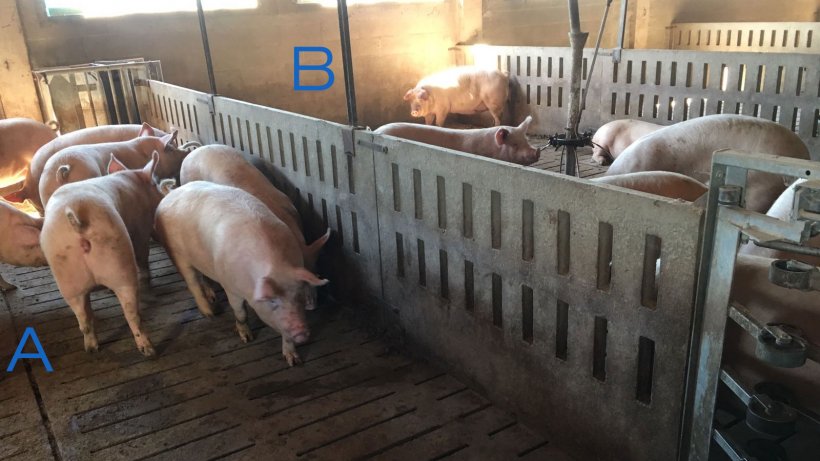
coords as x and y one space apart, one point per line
194 282
289 351
81 306
129 300
429 119
441 117
6 286
241 314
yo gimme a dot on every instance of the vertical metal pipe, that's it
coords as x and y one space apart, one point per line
616 53
205 46
347 62
577 40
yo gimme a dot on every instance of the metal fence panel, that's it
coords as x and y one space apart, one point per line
770 37
167 106
665 87
495 269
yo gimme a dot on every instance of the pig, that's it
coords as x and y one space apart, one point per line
225 165
96 232
503 143
19 240
93 135
612 138
687 148
459 90
19 140
664 183
770 303
85 161
247 250
781 209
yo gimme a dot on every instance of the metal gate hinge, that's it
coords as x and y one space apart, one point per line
209 100
372 145
141 82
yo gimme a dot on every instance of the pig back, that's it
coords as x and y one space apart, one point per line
20 138
462 88
227 166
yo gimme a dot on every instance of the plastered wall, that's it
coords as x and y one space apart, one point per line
393 46
18 96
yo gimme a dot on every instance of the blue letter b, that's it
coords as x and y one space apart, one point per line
297 68
19 354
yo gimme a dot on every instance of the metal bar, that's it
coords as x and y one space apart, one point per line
735 387
790 247
786 166
577 40
91 99
742 317
733 451
709 346
347 63
206 47
114 97
594 57
616 53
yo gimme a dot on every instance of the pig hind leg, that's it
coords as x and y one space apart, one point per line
129 299
241 314
81 306
194 281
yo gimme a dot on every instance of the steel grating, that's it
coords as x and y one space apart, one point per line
208 396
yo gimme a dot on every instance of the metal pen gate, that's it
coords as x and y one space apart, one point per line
665 87
539 288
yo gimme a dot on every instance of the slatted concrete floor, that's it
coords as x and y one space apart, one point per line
208 396
550 160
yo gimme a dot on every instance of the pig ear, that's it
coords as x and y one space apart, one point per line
423 95
151 166
62 173
307 276
409 95
312 250
146 130
501 136
526 123
265 289
170 140
115 165
16 197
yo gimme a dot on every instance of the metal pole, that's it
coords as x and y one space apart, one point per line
347 63
205 46
577 40
616 53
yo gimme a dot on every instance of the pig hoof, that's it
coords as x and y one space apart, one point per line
245 333
91 346
209 294
292 357
148 351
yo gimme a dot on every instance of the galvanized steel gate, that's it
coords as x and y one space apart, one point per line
537 287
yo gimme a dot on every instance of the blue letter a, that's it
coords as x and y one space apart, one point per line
19 354
297 67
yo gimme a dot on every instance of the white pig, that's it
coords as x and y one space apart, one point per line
85 161
612 138
663 183
781 209
93 135
96 232
459 90
19 240
503 143
687 148
246 249
19 140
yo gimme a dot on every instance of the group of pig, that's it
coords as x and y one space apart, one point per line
672 161
104 192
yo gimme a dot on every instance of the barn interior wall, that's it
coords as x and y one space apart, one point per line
393 46
18 96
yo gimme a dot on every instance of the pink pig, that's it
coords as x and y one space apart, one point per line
93 135
85 161
246 249
96 232
459 90
19 140
19 240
